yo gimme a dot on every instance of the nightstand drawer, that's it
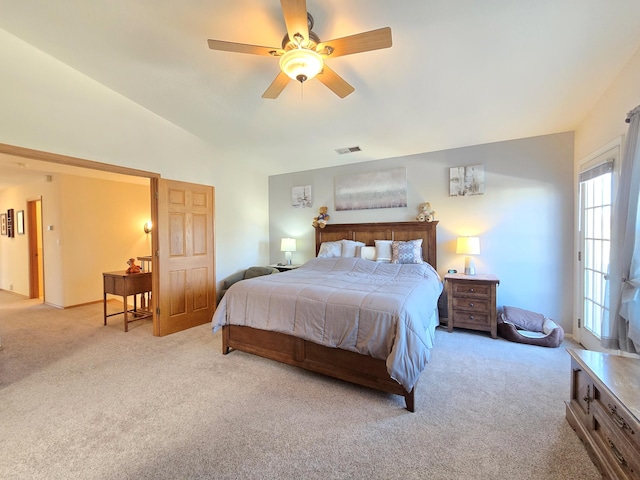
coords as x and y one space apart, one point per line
471 289
471 305
476 321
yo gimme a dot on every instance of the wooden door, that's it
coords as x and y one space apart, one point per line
184 288
34 232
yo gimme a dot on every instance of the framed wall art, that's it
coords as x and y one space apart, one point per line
20 222
3 221
301 196
361 191
465 181
10 223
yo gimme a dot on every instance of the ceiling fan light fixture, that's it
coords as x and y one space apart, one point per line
301 64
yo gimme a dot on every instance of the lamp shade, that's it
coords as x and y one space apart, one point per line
468 246
288 245
301 64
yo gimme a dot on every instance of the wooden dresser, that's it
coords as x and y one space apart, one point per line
604 410
472 302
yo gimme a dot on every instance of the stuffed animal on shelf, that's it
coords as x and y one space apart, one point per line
133 268
426 213
322 218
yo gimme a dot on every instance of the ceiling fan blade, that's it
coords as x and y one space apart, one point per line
335 82
295 17
244 48
277 86
361 42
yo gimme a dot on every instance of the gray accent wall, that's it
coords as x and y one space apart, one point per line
524 219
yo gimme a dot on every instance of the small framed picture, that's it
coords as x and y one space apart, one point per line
20 222
465 181
3 220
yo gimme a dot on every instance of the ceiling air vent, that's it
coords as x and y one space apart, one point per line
342 151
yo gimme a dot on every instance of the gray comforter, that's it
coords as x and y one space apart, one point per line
378 309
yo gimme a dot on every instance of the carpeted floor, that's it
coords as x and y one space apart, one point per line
82 401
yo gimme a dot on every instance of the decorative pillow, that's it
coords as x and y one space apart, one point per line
407 252
351 248
330 249
368 253
383 250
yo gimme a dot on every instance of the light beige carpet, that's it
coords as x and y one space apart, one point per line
82 401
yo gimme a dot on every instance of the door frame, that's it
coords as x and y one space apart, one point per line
91 164
581 335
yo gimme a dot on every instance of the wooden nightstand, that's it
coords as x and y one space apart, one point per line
472 302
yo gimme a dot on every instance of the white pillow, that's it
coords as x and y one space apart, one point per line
330 249
368 253
383 250
351 248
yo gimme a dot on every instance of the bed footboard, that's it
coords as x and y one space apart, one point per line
342 364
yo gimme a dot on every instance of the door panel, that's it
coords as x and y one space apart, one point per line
186 287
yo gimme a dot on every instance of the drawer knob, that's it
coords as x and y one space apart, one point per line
471 290
471 317
472 304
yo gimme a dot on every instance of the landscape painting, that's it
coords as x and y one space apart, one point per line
383 189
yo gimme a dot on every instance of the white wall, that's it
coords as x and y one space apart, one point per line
48 106
102 227
605 122
524 219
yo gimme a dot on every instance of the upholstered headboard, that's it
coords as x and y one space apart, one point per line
369 232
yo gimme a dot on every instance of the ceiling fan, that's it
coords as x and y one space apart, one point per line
302 54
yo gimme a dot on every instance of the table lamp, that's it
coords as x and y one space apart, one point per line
288 245
468 246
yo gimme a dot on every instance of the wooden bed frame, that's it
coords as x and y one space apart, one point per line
342 364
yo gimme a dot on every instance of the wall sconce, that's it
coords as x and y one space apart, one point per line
288 245
468 246
148 226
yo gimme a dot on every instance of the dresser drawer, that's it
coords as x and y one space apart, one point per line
471 305
620 454
475 321
619 419
471 289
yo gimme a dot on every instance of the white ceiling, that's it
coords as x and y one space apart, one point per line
460 72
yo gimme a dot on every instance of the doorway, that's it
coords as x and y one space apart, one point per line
36 253
199 301
596 194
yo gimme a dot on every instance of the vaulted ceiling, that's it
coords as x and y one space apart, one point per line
460 72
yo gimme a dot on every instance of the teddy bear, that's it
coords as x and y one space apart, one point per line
426 213
322 218
133 268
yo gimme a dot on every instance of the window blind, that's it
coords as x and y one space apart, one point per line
593 172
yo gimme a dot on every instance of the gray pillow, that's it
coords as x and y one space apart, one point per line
253 272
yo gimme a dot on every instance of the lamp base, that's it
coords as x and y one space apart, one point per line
287 256
469 266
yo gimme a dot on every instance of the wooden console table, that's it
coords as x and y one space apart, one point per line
125 284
